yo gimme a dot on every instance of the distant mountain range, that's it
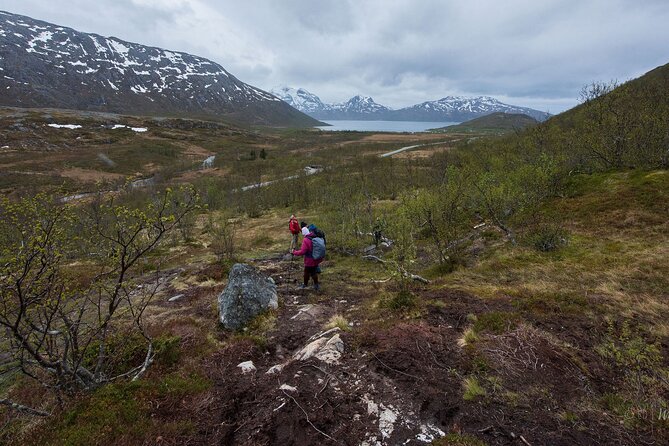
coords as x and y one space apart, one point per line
45 65
450 108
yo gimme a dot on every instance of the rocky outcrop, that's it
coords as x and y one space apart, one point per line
248 294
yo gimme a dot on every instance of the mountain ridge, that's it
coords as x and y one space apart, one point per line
47 65
448 108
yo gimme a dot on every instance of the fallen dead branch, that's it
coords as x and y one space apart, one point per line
375 259
404 272
24 409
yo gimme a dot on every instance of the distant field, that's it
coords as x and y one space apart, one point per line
105 152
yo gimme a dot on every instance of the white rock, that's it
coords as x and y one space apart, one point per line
327 350
288 388
332 350
306 312
372 407
325 333
429 433
310 350
247 367
175 298
276 369
387 420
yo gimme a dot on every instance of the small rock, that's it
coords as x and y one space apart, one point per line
327 350
369 249
324 334
308 312
288 388
310 350
247 367
275 369
175 298
332 350
387 419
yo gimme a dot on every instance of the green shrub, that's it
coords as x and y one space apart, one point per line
548 237
401 300
458 440
168 351
496 322
473 388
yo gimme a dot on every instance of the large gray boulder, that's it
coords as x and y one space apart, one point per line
247 294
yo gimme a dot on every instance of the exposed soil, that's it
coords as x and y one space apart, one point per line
88 175
424 153
400 378
389 137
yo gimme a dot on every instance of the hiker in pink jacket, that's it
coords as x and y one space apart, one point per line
310 264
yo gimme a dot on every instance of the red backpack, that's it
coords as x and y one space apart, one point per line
294 226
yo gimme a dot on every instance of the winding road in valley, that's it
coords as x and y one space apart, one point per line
415 146
208 163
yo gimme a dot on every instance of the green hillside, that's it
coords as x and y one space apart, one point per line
520 295
494 123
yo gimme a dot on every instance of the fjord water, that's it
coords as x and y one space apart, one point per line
382 126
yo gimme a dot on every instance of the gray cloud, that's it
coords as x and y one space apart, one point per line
524 52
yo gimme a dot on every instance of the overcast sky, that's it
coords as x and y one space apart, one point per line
536 53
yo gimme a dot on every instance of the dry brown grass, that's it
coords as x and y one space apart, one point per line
89 175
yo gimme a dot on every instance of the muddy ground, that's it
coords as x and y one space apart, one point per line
399 379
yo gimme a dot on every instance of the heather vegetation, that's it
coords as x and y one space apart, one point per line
523 294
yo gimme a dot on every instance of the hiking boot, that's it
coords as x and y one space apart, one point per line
302 287
317 287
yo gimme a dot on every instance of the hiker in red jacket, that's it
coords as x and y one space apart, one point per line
294 228
310 264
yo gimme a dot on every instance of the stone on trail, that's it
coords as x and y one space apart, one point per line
331 352
308 312
276 368
247 294
247 367
327 350
175 298
288 388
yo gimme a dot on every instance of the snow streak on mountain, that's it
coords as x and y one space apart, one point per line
45 65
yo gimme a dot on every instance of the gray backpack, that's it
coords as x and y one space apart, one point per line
318 250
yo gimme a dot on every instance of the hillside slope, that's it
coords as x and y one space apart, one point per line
45 65
492 123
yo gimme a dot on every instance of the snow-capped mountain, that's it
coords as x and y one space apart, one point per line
461 108
300 99
45 65
450 108
361 105
358 107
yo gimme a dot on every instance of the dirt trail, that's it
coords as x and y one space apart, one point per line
398 380
366 396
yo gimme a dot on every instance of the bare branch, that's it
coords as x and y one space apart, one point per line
24 409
